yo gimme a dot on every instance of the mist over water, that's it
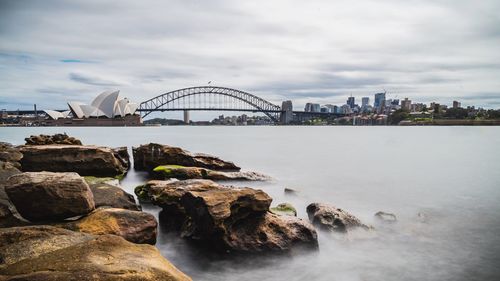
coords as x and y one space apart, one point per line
450 175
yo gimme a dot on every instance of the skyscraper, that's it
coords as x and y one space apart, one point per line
365 101
379 100
351 102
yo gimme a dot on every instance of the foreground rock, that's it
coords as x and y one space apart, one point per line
54 139
227 218
105 258
149 156
121 153
49 196
85 160
184 173
10 153
284 209
107 195
8 213
330 218
386 217
134 226
19 243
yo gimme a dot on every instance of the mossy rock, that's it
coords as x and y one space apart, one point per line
284 209
141 191
180 172
96 180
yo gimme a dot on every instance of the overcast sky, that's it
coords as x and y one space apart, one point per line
319 51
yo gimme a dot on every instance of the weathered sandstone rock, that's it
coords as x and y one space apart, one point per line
284 209
121 153
169 192
10 153
85 160
183 173
134 226
19 243
8 214
107 195
386 217
103 258
149 156
271 232
330 218
49 196
54 139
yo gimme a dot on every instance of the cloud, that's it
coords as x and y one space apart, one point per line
318 51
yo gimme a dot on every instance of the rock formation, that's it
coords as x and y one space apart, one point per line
149 156
54 139
284 209
183 173
83 258
134 226
330 218
10 153
49 196
107 195
86 160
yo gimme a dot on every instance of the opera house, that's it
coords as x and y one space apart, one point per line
105 110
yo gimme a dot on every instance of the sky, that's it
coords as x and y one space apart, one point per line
52 52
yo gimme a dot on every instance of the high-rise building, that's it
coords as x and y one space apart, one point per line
312 107
379 100
406 104
456 104
351 101
365 101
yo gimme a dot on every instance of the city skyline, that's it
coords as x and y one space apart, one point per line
55 51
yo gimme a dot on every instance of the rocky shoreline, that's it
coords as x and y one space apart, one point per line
64 215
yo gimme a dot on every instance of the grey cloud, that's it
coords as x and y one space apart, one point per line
95 81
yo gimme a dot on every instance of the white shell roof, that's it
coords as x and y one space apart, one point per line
105 104
54 114
75 108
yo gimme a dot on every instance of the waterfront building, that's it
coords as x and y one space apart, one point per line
345 109
406 104
456 104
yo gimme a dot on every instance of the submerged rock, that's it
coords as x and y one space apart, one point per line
183 173
290 191
107 195
105 258
54 139
149 156
85 160
49 196
134 226
330 218
284 209
386 217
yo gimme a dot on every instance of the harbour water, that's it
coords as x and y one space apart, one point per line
443 184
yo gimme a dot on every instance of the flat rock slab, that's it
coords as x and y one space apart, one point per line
149 156
107 195
86 160
47 196
184 173
134 226
104 258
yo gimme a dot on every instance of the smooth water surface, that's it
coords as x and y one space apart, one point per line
448 175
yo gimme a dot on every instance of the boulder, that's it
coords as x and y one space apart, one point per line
40 196
86 160
7 169
271 232
183 173
134 226
107 195
19 243
10 153
149 156
386 217
121 153
54 139
330 218
103 258
8 214
284 209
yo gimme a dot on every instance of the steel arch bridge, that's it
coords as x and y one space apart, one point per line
204 98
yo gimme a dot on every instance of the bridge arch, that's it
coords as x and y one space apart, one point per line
209 98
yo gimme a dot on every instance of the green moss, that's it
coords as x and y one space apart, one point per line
142 192
284 209
120 177
167 168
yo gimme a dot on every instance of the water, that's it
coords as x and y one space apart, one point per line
449 174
